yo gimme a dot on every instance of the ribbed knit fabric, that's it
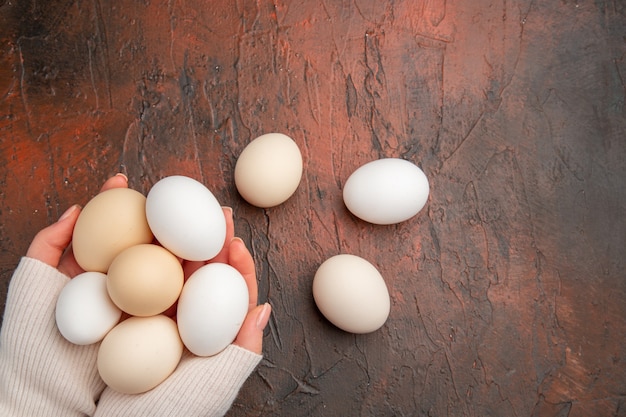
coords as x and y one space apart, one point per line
42 374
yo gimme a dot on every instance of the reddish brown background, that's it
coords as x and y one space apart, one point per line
508 290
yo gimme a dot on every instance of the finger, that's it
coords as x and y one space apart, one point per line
50 243
222 256
189 267
119 180
68 264
241 259
250 335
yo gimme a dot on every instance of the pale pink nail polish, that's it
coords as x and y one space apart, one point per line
264 316
120 174
68 212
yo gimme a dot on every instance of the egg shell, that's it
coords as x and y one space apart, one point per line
211 308
139 353
145 280
268 170
84 312
186 218
351 293
386 191
109 223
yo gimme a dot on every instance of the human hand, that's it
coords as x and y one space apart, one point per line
236 254
41 373
52 244
204 386
69 371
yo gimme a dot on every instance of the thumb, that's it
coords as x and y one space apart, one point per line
250 336
49 244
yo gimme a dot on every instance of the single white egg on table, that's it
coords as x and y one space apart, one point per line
386 191
351 293
186 218
268 170
211 308
84 311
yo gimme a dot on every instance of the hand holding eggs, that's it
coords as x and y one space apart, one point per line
135 275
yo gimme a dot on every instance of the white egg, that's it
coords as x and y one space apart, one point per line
211 308
186 218
351 293
84 312
386 191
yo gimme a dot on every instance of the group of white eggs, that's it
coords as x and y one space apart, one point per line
132 246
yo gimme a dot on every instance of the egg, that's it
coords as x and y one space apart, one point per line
145 280
84 312
109 223
139 354
351 293
386 191
211 308
186 218
268 170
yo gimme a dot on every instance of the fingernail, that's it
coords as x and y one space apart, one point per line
120 174
237 239
229 210
68 212
263 317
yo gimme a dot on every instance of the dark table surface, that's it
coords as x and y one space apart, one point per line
508 290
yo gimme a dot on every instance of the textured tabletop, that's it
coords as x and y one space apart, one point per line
507 290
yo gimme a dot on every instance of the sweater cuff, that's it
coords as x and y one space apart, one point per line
41 373
200 386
